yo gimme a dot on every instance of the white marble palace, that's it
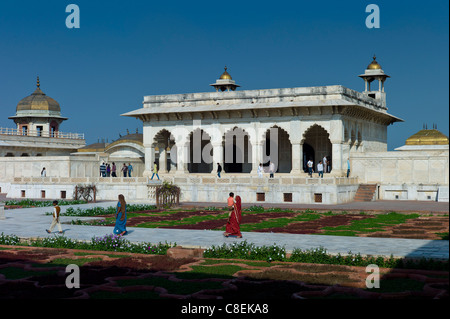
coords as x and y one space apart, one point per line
188 135
309 123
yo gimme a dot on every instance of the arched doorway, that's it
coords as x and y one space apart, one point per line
282 149
317 145
237 151
163 143
200 152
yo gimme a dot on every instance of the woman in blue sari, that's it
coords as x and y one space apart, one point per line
121 217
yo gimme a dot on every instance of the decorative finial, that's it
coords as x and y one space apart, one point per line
38 84
374 57
225 67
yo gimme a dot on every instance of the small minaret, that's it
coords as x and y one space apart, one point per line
225 82
372 73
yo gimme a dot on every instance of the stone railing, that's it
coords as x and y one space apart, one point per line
41 133
257 181
192 179
79 180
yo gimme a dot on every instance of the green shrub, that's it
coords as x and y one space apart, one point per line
106 243
249 251
96 211
9 239
37 203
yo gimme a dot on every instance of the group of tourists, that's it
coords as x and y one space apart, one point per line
324 166
107 170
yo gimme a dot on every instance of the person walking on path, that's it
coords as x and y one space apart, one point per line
108 170
233 228
260 170
121 217
219 169
320 169
271 169
56 211
155 170
130 169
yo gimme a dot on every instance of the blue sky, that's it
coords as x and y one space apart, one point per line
125 50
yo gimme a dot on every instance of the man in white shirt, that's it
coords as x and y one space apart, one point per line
56 211
325 164
320 169
260 170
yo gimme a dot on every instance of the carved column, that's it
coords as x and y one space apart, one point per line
257 156
182 153
297 158
162 159
149 159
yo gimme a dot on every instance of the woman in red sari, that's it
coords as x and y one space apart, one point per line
234 221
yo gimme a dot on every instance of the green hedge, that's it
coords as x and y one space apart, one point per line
244 250
109 242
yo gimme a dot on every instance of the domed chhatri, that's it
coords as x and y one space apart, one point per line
38 114
225 82
374 72
38 102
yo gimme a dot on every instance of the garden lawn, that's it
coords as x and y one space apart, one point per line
375 224
258 219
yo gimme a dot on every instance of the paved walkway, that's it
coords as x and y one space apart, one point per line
32 222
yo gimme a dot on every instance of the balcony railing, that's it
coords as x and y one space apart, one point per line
40 133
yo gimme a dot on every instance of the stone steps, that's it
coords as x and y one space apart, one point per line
365 193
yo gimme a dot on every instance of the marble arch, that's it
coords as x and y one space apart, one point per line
237 151
163 144
281 152
317 144
200 152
